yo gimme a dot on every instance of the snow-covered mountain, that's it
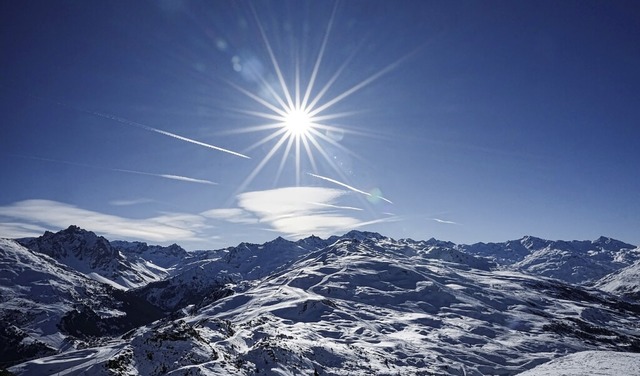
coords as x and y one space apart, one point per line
569 261
624 282
203 279
589 363
357 304
123 265
164 257
46 307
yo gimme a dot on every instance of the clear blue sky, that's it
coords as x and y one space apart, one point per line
465 121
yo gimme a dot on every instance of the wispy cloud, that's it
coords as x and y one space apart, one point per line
289 200
35 215
233 215
20 230
444 221
354 189
302 211
295 211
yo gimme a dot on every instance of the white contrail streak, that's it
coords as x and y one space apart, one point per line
349 187
336 206
167 176
165 133
142 126
381 220
188 179
443 221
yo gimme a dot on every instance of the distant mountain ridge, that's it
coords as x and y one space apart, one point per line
360 303
570 261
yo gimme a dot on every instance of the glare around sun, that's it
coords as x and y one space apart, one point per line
298 122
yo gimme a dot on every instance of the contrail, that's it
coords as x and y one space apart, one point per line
336 206
160 131
443 221
165 176
381 220
130 202
187 179
349 187
141 126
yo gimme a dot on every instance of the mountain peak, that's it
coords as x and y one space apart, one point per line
279 242
362 235
78 248
73 237
313 242
75 229
609 244
533 242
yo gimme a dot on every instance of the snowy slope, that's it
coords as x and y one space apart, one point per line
364 305
124 266
624 282
46 306
164 257
204 279
593 363
570 261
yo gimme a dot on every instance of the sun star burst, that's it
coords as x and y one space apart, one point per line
299 113
298 122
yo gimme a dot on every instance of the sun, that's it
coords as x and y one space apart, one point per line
298 122
299 111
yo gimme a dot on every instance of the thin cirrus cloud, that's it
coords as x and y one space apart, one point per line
299 211
233 215
20 230
29 217
295 212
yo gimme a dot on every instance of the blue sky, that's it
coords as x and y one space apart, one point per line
167 121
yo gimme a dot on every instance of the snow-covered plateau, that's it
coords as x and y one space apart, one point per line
74 303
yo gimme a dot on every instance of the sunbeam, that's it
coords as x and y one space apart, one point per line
298 112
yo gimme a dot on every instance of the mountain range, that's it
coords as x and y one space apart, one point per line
75 303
